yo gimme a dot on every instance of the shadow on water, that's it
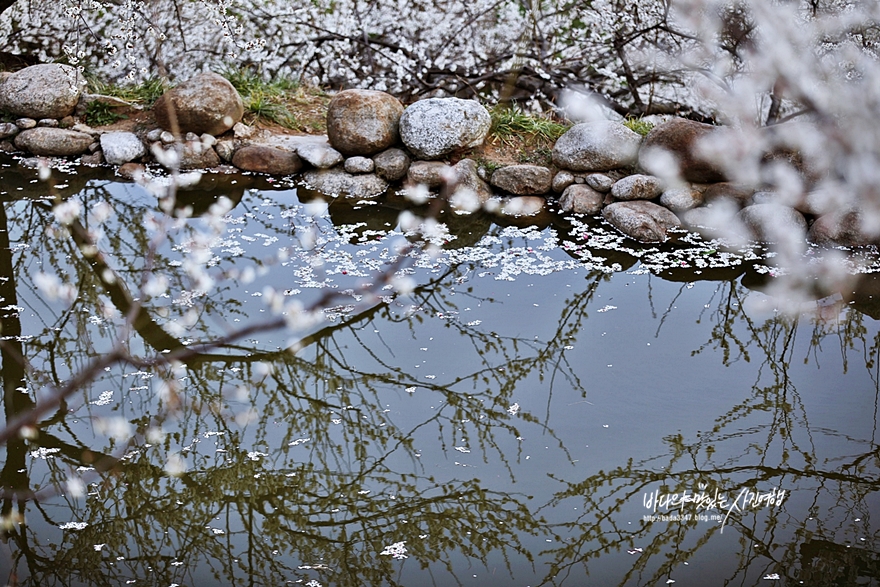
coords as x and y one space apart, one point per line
519 416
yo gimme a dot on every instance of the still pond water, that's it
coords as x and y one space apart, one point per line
532 412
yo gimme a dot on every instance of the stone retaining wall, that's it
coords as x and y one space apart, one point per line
374 142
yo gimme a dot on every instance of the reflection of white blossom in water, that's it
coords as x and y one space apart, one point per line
396 550
44 453
105 398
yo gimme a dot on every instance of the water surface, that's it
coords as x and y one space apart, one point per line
511 420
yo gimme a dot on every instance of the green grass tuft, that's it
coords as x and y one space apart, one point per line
262 98
249 82
489 166
638 125
511 124
102 114
540 155
269 108
144 93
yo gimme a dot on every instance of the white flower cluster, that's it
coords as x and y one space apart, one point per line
413 47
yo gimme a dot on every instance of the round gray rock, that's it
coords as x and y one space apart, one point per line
467 177
49 90
597 146
681 198
642 220
392 164
581 199
7 130
429 173
523 180
741 194
206 103
336 181
773 223
436 127
195 155
561 180
53 142
841 229
637 187
599 182
681 138
358 164
363 122
266 159
121 147
319 154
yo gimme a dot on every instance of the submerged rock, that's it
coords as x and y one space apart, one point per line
522 206
338 182
642 220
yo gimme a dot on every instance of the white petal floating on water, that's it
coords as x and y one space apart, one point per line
73 525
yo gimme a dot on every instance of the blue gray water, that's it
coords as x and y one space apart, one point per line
548 405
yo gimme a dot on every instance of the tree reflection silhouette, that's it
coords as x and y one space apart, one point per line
308 464
737 454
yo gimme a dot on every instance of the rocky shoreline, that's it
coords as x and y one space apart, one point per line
374 144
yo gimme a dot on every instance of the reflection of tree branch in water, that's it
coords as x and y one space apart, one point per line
453 511
851 481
